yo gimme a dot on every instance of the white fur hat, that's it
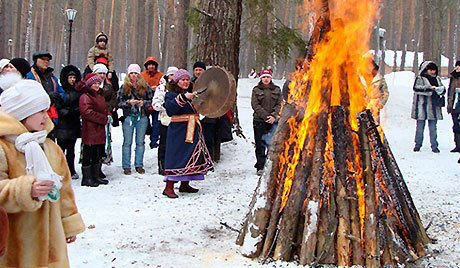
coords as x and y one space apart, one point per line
171 70
100 69
22 98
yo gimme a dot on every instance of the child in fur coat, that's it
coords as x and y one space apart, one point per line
100 50
35 184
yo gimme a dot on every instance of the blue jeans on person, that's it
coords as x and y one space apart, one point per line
155 130
129 125
419 133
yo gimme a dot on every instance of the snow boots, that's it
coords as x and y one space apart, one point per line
186 188
169 190
87 177
457 143
97 171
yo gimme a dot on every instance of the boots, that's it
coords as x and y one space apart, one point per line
101 174
457 143
186 188
169 190
96 168
87 177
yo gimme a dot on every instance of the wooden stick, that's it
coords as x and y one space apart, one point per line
341 168
311 204
370 228
253 231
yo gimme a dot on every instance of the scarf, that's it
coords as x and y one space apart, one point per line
432 79
36 162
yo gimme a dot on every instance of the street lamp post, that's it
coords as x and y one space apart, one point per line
71 13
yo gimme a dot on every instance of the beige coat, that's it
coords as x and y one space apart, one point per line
38 229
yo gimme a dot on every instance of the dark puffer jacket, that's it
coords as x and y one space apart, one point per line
68 126
94 113
452 96
265 101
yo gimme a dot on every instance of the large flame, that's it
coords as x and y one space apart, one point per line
334 76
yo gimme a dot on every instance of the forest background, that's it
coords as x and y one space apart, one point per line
272 33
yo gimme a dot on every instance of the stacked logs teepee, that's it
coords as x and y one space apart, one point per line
347 202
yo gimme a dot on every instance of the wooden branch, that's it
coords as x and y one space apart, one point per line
341 168
370 219
312 202
292 211
201 11
259 215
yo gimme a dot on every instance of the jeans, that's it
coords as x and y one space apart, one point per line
419 133
128 127
155 129
260 129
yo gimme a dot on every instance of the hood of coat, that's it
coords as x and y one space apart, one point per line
99 35
10 126
149 59
66 72
423 67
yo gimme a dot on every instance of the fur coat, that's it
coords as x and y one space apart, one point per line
38 229
423 105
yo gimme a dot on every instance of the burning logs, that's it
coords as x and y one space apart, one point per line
336 212
331 191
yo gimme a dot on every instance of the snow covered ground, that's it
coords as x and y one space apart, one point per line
131 224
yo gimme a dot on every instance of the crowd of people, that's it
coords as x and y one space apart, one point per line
41 118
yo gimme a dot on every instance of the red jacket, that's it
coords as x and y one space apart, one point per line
94 113
153 80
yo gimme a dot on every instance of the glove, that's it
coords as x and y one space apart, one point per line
109 119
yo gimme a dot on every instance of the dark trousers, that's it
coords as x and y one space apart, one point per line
162 148
68 147
155 129
209 133
456 129
92 154
260 129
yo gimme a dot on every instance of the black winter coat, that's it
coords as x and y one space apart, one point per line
68 126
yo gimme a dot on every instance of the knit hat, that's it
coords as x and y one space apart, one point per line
22 98
265 73
3 63
457 63
91 79
199 64
22 65
100 69
102 60
171 70
180 74
134 68
40 54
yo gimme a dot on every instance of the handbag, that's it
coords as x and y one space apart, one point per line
438 101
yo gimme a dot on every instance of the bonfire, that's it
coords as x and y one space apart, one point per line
331 191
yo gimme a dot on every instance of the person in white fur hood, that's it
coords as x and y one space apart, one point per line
157 103
35 184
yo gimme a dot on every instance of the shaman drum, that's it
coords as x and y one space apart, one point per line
215 92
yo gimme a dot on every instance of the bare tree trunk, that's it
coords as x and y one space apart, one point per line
181 34
156 30
451 36
417 35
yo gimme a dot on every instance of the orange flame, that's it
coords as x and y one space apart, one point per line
338 68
